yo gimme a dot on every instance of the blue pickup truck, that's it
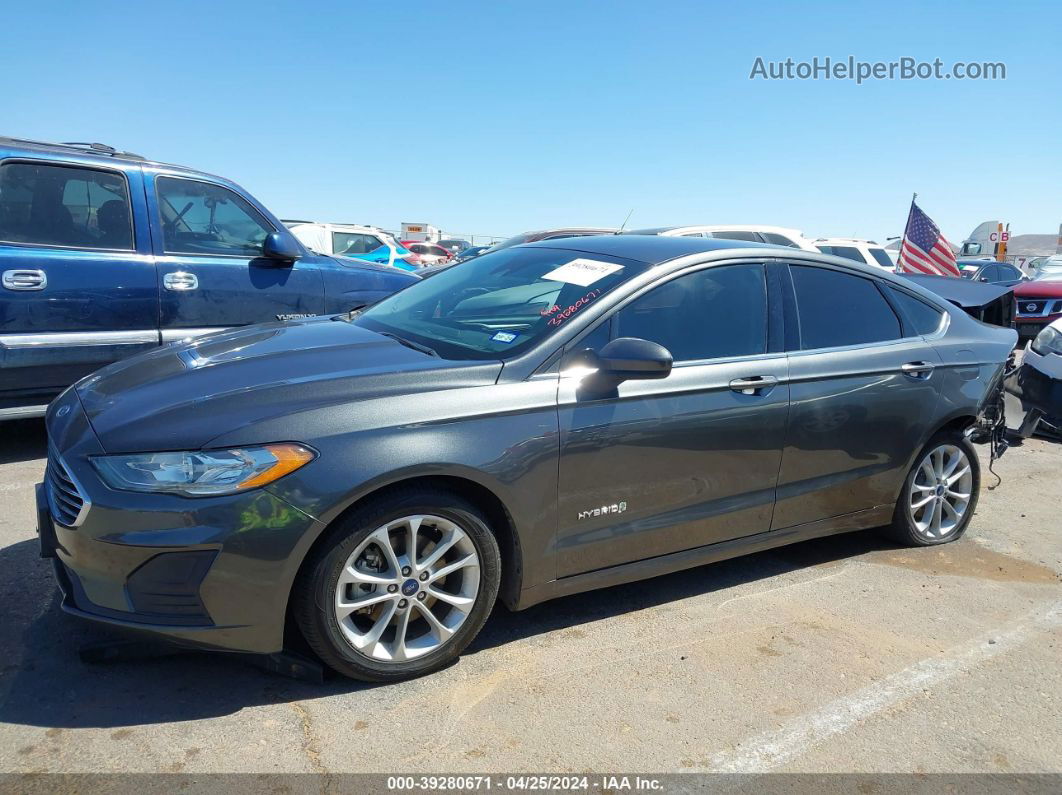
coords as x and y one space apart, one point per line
104 254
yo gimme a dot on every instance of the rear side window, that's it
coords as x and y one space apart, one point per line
713 313
203 218
737 235
925 319
848 252
838 309
50 205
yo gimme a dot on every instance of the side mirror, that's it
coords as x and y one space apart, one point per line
280 248
633 359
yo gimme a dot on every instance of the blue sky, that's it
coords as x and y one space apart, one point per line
494 118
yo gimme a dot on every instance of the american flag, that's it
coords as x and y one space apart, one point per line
924 248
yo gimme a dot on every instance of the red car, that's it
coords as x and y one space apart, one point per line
424 254
1038 304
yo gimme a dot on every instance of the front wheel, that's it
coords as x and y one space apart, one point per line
400 587
939 495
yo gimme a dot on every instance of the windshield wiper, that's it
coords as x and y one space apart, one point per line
410 344
354 311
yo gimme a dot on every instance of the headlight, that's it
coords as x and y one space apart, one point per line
1048 341
202 472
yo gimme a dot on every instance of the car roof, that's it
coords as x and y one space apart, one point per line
659 230
648 249
839 241
97 153
355 227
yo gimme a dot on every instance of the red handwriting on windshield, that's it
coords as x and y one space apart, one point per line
558 315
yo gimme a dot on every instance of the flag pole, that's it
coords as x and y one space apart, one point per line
903 238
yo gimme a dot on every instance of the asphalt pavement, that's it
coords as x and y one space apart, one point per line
842 654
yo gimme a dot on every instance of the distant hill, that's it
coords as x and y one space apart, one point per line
1032 245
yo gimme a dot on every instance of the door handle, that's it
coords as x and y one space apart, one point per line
917 369
25 280
180 280
754 385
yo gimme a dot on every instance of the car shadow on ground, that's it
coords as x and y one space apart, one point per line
24 440
43 681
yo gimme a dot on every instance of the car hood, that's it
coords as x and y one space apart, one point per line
1040 288
372 265
185 394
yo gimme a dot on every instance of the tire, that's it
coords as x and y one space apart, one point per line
352 608
917 526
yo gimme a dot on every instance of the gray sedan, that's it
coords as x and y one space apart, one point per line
542 420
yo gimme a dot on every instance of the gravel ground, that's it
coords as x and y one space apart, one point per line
843 654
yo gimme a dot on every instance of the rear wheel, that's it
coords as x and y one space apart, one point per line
400 587
939 495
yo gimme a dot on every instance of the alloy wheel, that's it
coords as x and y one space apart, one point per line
940 491
407 588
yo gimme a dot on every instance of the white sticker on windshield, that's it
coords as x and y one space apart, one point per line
583 272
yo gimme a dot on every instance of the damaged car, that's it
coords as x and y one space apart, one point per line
543 420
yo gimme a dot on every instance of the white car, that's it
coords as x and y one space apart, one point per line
866 251
1047 266
348 240
775 235
1039 381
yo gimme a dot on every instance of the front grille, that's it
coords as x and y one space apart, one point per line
1032 306
66 500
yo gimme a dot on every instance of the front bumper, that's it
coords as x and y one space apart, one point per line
209 573
1038 392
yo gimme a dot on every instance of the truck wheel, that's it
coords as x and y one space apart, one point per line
400 587
939 495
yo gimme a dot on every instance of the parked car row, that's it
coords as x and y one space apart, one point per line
367 243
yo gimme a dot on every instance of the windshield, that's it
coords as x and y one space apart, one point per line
498 304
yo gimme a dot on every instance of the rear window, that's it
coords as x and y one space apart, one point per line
838 309
50 205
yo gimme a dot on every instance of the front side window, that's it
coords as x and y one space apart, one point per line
500 303
882 258
351 244
779 240
203 218
710 314
62 206
848 252
838 309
